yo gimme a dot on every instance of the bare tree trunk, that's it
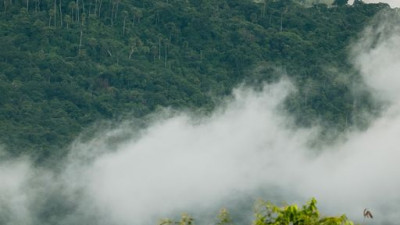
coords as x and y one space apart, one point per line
77 11
5 5
131 52
99 9
61 16
95 7
80 42
90 8
123 27
109 52
55 13
165 54
159 48
264 8
83 6
286 9
116 10
72 14
112 13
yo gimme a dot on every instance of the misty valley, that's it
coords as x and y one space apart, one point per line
164 112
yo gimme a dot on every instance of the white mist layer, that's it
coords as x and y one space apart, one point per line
13 195
378 56
185 163
392 3
179 163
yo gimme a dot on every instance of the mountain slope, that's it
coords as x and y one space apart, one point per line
66 65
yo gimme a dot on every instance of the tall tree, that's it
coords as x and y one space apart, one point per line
340 2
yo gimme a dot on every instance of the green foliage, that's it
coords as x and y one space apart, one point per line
270 214
224 218
185 220
340 2
65 65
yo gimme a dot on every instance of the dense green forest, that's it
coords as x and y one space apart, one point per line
67 64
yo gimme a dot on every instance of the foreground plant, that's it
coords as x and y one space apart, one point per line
267 213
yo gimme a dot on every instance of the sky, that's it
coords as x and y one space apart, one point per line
245 150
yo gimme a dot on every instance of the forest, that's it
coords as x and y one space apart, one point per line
65 65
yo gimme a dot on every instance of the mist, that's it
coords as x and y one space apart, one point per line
392 3
248 148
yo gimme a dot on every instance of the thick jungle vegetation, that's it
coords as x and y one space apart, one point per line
66 64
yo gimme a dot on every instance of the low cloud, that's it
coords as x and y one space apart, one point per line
392 3
13 196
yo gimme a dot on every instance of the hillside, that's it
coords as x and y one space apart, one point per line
66 65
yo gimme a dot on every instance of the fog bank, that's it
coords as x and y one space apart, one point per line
392 3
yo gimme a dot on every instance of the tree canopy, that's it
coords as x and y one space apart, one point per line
66 64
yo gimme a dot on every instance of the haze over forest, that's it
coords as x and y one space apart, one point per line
127 112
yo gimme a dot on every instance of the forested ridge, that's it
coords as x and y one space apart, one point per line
67 64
